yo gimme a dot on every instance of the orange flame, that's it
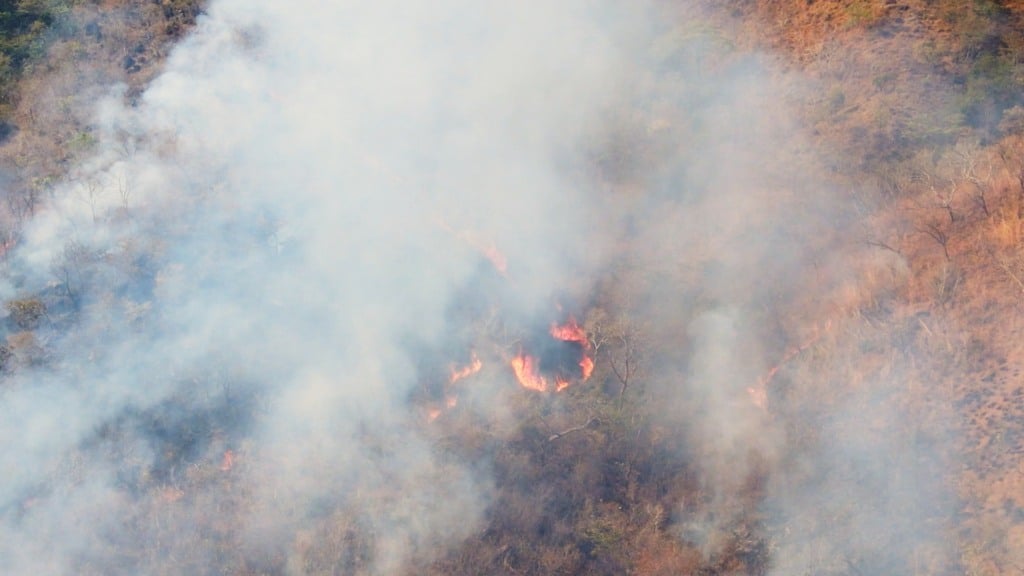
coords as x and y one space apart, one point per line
570 332
526 372
435 412
587 367
525 366
759 392
466 371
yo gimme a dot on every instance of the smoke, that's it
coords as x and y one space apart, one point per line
739 266
238 282
242 283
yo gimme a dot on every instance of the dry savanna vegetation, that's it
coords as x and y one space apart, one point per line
867 416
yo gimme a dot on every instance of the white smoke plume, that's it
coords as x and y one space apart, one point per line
246 267
240 282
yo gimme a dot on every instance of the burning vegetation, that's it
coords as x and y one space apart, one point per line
237 342
560 362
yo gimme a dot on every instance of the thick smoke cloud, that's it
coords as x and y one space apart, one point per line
247 266
241 282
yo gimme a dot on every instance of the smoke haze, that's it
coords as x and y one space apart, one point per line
243 282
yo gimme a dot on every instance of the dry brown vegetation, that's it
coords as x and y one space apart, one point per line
912 104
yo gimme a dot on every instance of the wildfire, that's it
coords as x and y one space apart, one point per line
569 332
572 332
586 367
435 412
759 392
466 371
525 368
455 374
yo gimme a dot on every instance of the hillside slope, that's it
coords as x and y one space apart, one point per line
278 313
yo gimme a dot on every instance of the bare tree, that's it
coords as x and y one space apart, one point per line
1010 266
70 270
893 238
1012 157
945 194
969 159
124 190
90 192
935 232
26 199
621 341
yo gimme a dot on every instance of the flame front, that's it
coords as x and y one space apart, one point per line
473 367
759 392
586 367
570 332
525 367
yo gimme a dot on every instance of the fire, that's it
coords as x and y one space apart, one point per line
435 412
570 332
759 392
527 370
586 367
473 367
455 374
525 367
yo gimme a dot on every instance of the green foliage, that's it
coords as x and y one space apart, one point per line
81 142
601 538
993 84
23 27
